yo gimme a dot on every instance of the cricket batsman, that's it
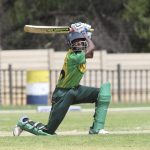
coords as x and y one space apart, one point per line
68 90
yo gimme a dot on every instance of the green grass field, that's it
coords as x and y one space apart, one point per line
76 122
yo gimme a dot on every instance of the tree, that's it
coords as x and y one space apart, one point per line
138 13
120 25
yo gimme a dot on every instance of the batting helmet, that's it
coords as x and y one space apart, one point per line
74 37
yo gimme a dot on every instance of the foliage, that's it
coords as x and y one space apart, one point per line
121 25
138 12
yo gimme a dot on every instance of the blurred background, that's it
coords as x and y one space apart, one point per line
121 36
120 25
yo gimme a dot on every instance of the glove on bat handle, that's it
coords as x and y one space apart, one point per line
90 30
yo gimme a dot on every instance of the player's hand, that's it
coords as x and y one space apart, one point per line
81 27
89 35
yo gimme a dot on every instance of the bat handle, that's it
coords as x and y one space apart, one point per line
91 30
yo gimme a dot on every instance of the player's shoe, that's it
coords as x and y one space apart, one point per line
25 124
101 131
17 131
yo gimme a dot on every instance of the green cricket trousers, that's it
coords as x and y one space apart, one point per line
62 98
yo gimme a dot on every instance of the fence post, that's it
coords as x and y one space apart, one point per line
10 83
0 86
0 76
103 57
119 81
0 54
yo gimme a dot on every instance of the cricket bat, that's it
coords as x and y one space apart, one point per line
49 29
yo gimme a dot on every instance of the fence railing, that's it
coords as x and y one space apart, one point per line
12 86
126 85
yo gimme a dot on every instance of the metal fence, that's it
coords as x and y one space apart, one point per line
126 85
12 86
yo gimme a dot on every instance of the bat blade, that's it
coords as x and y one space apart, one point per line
46 29
49 29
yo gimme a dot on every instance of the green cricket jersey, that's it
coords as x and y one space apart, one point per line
73 69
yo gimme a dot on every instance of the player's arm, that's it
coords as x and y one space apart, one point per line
90 49
84 28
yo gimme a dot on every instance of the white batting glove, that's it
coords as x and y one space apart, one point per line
87 26
80 27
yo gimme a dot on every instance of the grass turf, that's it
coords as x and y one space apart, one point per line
80 121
